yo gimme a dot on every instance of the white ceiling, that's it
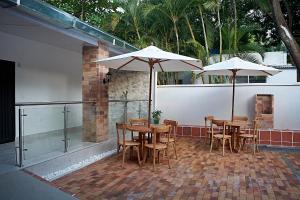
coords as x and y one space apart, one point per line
22 25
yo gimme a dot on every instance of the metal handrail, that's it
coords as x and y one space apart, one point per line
71 102
51 103
126 100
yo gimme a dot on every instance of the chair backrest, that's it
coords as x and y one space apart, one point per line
161 129
208 119
242 120
207 122
138 121
121 131
218 124
173 125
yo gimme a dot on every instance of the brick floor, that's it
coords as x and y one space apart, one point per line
197 174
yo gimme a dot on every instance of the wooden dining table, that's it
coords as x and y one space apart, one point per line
143 130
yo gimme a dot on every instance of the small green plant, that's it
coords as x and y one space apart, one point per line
156 116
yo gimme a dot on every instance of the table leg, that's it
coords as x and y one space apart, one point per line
237 138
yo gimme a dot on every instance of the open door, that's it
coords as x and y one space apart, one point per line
7 101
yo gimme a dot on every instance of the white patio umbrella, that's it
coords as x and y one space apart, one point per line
238 67
151 59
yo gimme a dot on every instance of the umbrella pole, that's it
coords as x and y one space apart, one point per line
233 94
150 91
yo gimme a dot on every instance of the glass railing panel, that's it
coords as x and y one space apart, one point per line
122 111
137 109
42 131
75 135
116 114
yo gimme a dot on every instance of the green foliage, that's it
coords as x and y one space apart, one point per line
156 114
178 25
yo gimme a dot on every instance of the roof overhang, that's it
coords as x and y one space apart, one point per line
40 21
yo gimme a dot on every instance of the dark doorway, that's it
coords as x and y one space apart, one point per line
7 101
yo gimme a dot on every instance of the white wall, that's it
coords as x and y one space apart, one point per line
275 58
190 104
44 73
286 76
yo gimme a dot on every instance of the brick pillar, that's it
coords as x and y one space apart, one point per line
95 117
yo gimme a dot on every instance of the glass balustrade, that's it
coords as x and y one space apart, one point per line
47 130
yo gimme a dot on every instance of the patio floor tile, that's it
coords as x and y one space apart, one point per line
197 174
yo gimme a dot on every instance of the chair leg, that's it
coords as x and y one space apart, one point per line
153 159
256 144
240 143
244 142
230 145
138 154
211 144
168 158
124 154
145 155
158 155
174 146
223 141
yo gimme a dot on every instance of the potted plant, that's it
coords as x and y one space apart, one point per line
156 116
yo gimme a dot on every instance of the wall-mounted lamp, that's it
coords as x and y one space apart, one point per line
107 78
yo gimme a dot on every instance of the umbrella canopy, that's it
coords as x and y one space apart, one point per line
151 59
242 68
238 67
162 61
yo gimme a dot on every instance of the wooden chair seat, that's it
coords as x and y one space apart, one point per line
215 131
220 136
165 140
247 135
129 143
158 146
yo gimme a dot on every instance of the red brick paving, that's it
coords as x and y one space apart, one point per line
197 174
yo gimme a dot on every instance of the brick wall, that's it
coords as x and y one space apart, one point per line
95 117
286 138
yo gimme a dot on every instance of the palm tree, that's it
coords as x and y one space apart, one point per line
214 5
235 26
174 10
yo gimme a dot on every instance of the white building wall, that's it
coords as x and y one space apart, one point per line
275 58
190 104
286 76
44 73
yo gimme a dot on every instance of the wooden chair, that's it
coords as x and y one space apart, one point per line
157 147
240 118
207 121
172 139
125 144
253 137
219 136
137 122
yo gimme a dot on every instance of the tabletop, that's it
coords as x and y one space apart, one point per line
143 128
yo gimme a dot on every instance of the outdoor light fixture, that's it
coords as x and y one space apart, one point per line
107 78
